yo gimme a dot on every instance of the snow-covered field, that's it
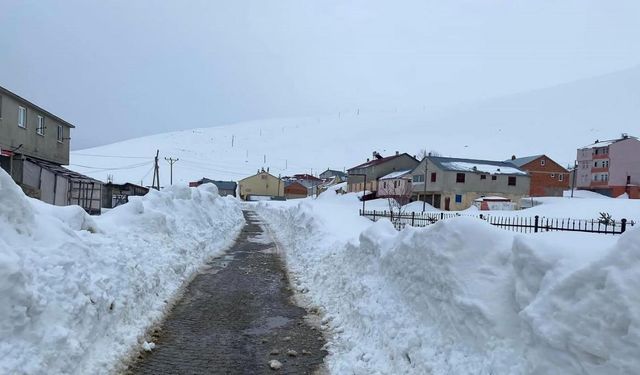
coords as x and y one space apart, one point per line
77 293
460 296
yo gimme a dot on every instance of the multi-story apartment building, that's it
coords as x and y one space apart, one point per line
611 168
34 144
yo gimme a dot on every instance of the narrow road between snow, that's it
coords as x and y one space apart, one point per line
235 317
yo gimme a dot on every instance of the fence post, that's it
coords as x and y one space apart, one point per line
535 223
441 215
623 227
391 215
481 218
413 218
360 212
374 215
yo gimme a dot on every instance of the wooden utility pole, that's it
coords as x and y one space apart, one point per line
156 173
424 198
171 162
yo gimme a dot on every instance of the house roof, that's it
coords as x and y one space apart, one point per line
396 174
374 162
125 185
60 170
475 165
519 162
335 173
304 176
37 107
258 174
609 142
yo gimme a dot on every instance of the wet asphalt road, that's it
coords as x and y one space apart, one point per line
235 316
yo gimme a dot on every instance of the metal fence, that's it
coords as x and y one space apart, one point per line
515 223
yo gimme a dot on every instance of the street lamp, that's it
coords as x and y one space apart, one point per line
364 190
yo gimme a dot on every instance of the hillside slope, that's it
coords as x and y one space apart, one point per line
554 121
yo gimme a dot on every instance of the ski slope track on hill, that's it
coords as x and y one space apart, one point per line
554 121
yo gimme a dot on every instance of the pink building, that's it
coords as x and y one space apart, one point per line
396 185
610 167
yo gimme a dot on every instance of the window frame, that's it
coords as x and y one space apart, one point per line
434 176
40 125
512 181
494 178
483 176
60 135
543 162
457 198
22 117
561 177
460 178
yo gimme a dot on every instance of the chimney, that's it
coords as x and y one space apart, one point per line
397 153
513 157
367 160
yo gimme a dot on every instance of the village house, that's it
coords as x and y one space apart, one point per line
312 183
397 185
295 190
114 195
34 144
224 187
375 168
337 176
455 184
611 168
262 185
548 178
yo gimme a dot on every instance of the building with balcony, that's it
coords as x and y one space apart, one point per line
611 167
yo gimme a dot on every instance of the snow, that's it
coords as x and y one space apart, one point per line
77 293
395 174
462 296
575 113
478 167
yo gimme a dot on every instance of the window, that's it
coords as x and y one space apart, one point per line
40 128
493 178
553 175
512 181
458 198
433 176
628 180
542 162
395 184
61 137
595 177
384 184
22 117
483 176
418 178
561 177
460 178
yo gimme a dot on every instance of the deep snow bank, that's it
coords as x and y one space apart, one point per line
462 296
77 293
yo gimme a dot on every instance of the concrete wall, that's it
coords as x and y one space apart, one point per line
624 159
45 146
261 184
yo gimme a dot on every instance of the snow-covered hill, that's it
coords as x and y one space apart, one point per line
554 121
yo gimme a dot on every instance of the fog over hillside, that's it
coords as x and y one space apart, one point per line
554 121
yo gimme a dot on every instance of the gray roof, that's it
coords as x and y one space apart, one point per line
519 162
223 185
475 165
335 173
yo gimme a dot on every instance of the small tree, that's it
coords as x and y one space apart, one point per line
399 195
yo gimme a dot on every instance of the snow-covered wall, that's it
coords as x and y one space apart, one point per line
463 297
77 293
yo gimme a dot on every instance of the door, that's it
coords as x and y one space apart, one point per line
436 201
447 202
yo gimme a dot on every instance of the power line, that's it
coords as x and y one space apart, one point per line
112 156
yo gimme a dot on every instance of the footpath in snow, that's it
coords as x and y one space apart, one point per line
77 293
461 296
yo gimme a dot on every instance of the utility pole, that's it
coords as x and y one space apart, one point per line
155 184
424 198
233 138
171 162
573 180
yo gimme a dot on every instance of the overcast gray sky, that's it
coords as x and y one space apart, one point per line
122 69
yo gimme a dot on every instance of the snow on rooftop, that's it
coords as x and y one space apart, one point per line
395 174
478 167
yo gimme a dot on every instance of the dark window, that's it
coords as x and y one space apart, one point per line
483 176
512 181
493 178
433 176
458 198
61 136
418 178
460 177
628 180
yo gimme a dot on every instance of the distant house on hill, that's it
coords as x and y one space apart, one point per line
224 187
611 168
114 195
34 146
260 186
455 183
338 176
375 168
294 190
548 178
